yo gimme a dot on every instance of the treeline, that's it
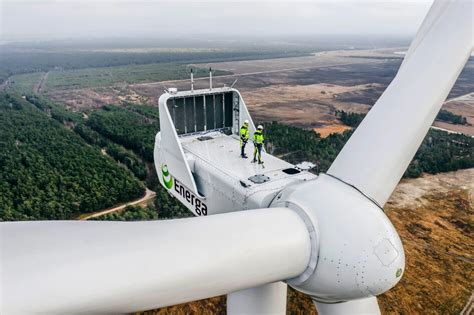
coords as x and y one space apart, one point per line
55 111
442 152
439 152
295 145
349 118
354 119
48 172
27 59
447 116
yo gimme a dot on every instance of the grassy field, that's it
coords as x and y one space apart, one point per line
24 83
105 76
94 77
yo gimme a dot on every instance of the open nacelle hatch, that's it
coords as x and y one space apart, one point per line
205 112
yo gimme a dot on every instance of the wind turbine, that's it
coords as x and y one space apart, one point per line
327 236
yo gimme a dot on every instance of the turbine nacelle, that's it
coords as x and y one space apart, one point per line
356 251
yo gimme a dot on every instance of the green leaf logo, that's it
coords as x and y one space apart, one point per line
167 178
399 272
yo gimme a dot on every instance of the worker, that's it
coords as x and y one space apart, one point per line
258 144
244 138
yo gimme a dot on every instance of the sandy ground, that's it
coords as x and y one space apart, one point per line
410 192
326 130
301 105
463 106
434 218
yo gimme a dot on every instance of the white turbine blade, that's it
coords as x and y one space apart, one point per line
265 299
63 267
367 306
433 14
378 153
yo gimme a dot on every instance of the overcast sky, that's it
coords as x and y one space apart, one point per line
22 19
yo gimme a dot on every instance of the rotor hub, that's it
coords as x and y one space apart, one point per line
358 251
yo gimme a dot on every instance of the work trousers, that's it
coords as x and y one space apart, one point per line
243 143
257 151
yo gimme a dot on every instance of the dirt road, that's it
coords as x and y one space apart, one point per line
149 195
41 83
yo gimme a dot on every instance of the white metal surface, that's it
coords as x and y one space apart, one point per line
378 153
360 254
171 153
224 153
367 306
431 17
244 114
223 176
268 299
62 267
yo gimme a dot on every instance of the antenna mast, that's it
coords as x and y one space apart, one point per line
210 78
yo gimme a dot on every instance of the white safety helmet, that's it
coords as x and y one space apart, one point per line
260 127
246 122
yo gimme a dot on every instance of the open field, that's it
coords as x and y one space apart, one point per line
303 91
97 77
94 77
296 71
324 58
434 216
326 130
299 105
44 56
464 106
333 68
24 83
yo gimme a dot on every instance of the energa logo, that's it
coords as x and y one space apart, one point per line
167 178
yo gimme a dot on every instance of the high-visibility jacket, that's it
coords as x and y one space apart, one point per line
244 133
258 137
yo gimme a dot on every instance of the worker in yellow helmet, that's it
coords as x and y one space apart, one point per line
244 138
258 144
